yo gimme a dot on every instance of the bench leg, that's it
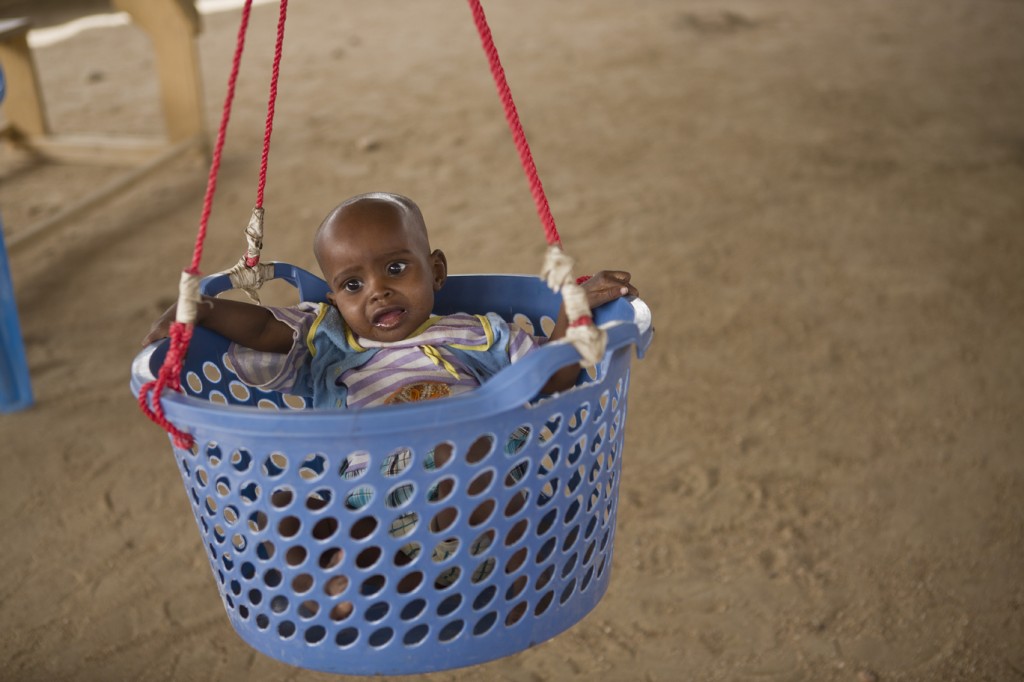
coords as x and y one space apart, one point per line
23 106
172 26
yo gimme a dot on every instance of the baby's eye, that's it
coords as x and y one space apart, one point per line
352 286
396 268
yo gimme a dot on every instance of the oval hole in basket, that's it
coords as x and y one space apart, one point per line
483 570
281 497
403 525
544 578
331 557
516 532
480 449
313 467
480 483
482 543
302 583
485 597
318 499
544 602
336 585
399 495
443 519
363 528
396 463
354 465
257 521
482 513
517 440
241 459
442 490
275 464
516 561
439 456
410 582
516 614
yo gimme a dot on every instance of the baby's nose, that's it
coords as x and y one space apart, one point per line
379 290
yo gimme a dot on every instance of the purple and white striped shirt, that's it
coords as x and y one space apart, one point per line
420 367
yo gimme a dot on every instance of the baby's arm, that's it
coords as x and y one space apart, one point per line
602 288
246 324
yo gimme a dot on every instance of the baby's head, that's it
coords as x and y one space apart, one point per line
374 253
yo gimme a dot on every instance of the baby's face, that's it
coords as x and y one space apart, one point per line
381 273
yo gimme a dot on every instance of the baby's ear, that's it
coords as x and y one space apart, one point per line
440 266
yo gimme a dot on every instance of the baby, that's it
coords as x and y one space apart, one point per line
376 341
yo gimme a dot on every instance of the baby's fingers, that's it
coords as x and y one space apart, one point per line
154 334
623 290
626 288
615 275
598 296
161 328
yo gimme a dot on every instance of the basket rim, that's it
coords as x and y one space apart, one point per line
512 388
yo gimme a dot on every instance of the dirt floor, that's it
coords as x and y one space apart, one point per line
823 204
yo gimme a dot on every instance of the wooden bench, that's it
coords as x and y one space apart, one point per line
23 106
172 27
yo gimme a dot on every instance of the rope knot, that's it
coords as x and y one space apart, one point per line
589 340
254 238
169 376
250 279
557 268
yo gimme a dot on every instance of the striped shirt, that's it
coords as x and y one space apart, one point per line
421 367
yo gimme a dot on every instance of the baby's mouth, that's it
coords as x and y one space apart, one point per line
388 318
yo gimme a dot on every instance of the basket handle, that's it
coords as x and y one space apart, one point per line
513 388
627 321
311 287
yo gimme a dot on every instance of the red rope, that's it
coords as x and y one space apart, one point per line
169 375
540 200
253 261
274 74
218 149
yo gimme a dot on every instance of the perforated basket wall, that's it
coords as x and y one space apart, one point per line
410 538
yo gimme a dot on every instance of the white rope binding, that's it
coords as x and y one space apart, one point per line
249 279
242 276
557 267
588 339
254 234
188 298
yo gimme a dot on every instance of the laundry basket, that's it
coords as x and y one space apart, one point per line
417 537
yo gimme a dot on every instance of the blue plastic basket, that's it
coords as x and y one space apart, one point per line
394 585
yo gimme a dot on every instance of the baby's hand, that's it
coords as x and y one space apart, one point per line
608 285
603 287
161 329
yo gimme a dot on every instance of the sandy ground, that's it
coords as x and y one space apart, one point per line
823 203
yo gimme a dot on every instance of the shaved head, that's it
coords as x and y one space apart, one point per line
372 208
375 257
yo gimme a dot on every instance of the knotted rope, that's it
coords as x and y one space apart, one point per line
557 268
248 274
169 375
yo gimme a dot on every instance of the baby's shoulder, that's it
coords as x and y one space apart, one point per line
486 322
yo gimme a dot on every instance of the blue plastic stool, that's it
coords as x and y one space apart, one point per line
445 561
15 387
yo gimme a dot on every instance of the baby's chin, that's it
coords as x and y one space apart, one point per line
388 333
